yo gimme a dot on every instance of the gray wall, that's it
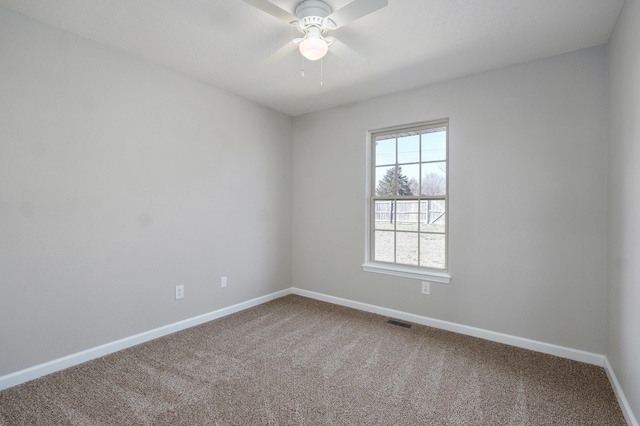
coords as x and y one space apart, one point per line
527 200
119 180
624 203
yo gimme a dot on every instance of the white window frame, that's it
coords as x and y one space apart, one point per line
395 269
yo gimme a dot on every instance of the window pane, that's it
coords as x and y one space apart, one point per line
386 181
407 251
434 178
432 216
409 149
434 146
407 215
384 246
383 217
408 179
432 251
385 151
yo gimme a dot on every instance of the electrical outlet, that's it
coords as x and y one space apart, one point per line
223 282
426 287
179 292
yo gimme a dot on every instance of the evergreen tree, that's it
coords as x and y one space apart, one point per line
393 183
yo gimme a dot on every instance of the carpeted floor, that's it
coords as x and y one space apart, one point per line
297 361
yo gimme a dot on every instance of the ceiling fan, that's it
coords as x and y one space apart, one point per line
313 18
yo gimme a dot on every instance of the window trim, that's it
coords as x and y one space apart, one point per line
405 271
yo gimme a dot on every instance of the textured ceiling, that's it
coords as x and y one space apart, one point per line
407 44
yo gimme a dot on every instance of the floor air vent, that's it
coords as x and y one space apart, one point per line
399 323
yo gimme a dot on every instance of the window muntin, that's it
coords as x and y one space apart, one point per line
408 204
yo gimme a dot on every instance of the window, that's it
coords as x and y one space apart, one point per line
408 202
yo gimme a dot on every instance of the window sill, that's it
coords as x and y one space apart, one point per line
406 272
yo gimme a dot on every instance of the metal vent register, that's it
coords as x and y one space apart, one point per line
399 323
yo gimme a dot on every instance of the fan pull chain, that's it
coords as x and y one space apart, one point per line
321 72
302 73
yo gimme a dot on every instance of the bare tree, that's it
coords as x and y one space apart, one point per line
434 184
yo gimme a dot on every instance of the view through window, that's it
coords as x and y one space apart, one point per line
409 196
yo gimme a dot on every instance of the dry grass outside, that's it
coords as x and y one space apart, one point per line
410 246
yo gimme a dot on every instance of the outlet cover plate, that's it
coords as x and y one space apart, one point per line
179 292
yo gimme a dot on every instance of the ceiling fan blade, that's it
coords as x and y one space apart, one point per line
272 9
281 53
346 53
355 10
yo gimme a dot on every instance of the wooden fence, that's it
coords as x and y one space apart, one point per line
410 211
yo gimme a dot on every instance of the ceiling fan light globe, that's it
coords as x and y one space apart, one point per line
313 48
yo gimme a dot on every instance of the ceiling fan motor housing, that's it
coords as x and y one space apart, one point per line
313 8
312 13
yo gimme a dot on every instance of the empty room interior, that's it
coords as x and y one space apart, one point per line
169 164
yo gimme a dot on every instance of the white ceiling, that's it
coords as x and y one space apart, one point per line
407 44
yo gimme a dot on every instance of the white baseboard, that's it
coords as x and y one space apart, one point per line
49 367
548 348
622 399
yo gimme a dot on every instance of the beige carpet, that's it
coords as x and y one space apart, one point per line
297 361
